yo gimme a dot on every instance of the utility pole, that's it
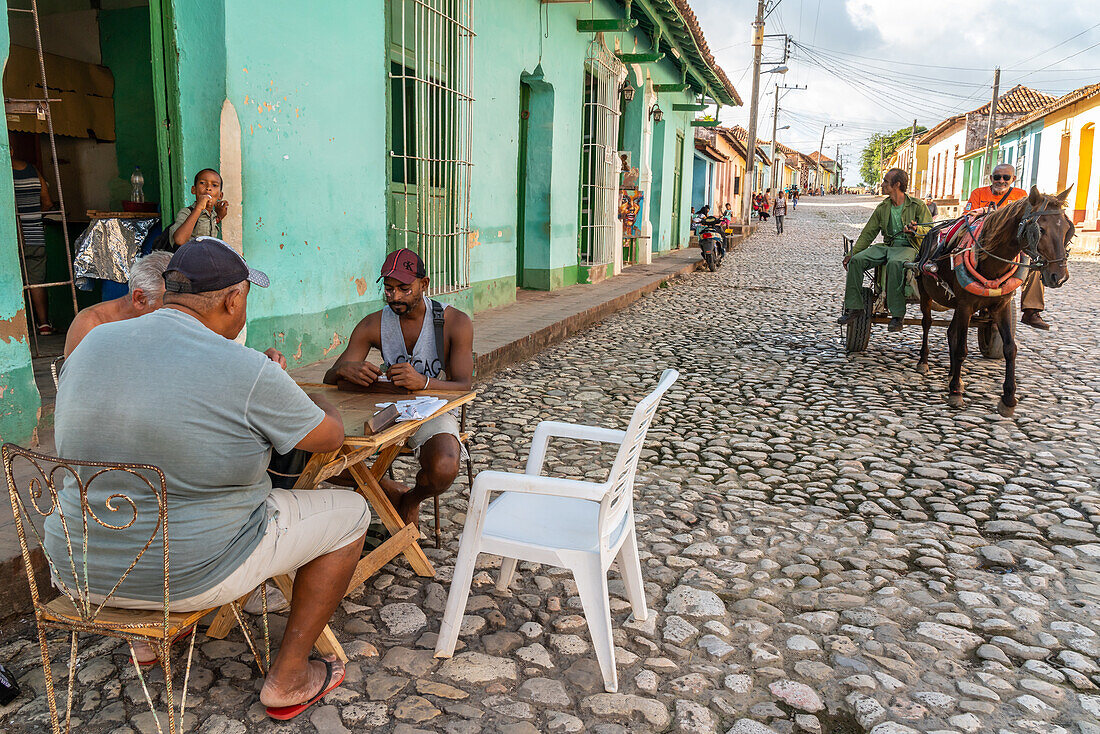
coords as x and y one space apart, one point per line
819 147
912 155
988 155
879 171
754 108
775 130
775 127
836 165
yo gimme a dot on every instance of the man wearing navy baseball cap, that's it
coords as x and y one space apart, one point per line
425 345
209 412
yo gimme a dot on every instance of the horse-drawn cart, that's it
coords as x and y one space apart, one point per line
858 331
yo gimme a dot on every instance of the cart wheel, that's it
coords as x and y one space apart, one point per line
989 336
858 334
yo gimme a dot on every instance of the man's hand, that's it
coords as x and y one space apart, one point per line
847 259
276 356
361 373
911 227
221 208
404 375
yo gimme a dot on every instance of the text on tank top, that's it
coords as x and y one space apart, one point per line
425 355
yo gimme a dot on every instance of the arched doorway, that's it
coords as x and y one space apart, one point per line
1084 172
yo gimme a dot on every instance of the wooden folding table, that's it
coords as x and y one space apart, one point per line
356 408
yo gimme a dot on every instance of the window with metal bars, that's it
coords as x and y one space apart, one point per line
430 135
599 162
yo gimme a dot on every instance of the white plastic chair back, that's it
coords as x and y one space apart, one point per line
620 498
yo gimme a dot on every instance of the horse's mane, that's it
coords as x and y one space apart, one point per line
1000 226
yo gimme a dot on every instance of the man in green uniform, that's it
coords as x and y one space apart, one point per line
896 218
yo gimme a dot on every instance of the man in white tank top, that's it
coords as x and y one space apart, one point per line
407 335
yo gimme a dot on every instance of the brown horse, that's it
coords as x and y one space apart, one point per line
1035 226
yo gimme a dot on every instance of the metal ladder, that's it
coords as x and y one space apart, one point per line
41 109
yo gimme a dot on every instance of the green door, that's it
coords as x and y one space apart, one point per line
677 189
521 178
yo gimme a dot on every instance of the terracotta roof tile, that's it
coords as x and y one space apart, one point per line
704 50
1019 99
1089 90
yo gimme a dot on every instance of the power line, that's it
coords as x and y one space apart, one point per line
1060 43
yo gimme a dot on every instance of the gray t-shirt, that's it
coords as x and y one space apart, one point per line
163 389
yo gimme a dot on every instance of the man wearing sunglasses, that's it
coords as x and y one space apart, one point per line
984 200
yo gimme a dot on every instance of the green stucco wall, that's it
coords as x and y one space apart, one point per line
313 128
124 42
309 89
19 399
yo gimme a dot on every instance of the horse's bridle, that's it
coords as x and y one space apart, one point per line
1030 233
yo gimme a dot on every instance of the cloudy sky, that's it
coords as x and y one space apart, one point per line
875 65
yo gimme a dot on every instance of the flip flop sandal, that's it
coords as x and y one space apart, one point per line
284 713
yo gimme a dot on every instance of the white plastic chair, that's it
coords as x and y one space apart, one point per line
582 526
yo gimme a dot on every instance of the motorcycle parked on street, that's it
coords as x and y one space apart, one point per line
712 241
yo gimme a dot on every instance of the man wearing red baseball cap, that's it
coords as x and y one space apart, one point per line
425 345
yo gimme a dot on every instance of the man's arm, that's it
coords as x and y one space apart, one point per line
352 365
869 233
78 329
329 434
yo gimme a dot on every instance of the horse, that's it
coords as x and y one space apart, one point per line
1030 233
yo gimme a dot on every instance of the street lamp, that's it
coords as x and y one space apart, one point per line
781 69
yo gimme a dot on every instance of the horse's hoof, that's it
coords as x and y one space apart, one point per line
922 368
1006 411
955 401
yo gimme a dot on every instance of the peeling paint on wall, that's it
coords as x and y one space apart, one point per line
336 341
361 285
14 328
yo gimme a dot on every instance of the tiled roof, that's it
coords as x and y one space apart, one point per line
1085 92
824 158
678 16
1019 99
741 136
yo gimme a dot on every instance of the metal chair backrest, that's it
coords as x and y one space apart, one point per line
50 478
55 370
619 499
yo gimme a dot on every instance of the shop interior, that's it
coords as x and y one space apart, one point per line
99 68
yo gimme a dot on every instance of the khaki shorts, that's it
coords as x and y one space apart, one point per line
440 425
301 525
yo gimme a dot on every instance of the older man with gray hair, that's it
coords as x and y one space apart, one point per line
146 295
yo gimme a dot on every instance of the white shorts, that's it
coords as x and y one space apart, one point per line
302 524
445 424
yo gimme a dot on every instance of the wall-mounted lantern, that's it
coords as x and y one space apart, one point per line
656 113
627 91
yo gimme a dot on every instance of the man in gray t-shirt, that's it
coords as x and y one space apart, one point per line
208 412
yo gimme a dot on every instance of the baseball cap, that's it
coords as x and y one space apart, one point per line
404 265
209 264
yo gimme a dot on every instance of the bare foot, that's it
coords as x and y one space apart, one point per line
395 491
299 688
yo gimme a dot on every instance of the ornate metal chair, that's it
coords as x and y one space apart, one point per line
76 609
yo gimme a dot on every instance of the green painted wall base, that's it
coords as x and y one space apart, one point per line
540 279
493 293
19 404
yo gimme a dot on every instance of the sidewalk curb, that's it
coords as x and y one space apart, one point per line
522 349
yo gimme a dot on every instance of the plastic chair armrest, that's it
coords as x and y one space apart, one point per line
547 429
498 481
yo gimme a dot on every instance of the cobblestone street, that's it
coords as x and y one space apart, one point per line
827 546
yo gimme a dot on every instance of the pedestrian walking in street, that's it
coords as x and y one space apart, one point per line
794 199
780 211
765 205
932 208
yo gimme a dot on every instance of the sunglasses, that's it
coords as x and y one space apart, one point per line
999 177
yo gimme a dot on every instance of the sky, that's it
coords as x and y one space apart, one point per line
876 65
